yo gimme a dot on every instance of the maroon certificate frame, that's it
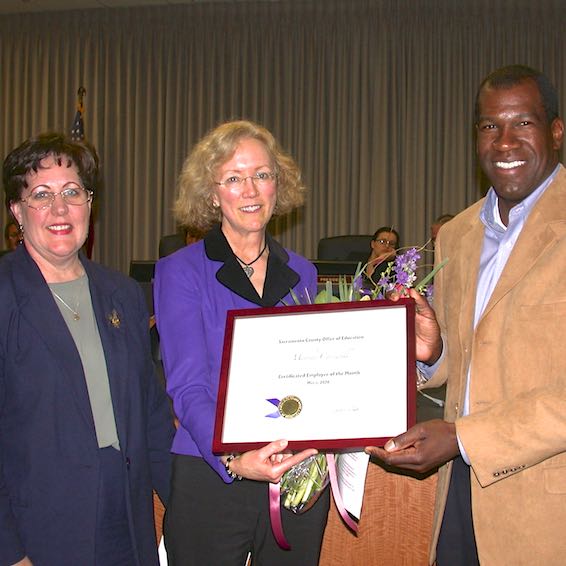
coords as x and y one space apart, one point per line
333 376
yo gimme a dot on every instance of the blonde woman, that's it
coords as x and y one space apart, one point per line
231 185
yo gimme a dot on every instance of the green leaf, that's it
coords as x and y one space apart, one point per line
329 292
342 289
420 285
325 295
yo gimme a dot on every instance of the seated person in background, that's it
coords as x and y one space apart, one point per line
173 242
384 245
192 235
12 235
443 219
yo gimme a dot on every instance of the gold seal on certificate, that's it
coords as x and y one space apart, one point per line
290 406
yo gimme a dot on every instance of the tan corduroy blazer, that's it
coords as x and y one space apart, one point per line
515 434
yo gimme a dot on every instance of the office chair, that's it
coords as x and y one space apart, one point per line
345 248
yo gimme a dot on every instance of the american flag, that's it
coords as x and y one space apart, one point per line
78 130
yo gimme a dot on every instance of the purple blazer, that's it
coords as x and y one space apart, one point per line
193 290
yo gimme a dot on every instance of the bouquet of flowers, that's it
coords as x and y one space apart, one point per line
399 276
302 485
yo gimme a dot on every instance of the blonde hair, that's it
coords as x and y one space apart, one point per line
194 206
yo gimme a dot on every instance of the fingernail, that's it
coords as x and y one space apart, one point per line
390 445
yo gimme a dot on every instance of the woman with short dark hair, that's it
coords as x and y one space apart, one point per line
85 431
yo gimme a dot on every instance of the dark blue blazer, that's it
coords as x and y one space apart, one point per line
48 450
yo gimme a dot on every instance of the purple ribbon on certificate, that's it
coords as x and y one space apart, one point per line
276 414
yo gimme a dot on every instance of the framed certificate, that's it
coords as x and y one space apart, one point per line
333 376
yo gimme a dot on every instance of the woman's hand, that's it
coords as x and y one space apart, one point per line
268 463
24 562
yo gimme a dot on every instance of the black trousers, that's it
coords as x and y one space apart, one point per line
457 543
113 544
217 524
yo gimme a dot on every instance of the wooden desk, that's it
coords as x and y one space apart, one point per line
395 527
158 512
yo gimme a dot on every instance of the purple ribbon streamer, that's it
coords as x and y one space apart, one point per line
276 414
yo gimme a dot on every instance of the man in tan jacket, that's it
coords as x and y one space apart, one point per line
496 338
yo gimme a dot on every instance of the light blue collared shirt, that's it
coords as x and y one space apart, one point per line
498 243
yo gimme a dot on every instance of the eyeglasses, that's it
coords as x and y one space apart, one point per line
261 179
390 243
41 199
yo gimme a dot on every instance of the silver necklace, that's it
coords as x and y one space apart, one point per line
247 267
76 315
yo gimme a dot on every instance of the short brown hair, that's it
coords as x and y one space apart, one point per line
27 158
193 207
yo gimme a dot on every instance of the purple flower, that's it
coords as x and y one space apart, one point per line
429 291
400 275
357 283
402 278
386 284
405 267
407 261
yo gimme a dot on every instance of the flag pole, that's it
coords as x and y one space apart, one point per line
80 97
78 134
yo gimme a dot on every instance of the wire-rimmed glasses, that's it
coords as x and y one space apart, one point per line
41 199
261 178
384 242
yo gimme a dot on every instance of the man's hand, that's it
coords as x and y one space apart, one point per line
427 331
422 448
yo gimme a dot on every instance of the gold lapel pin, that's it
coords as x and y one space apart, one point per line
114 319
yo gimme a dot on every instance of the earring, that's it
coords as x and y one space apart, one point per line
21 227
215 204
